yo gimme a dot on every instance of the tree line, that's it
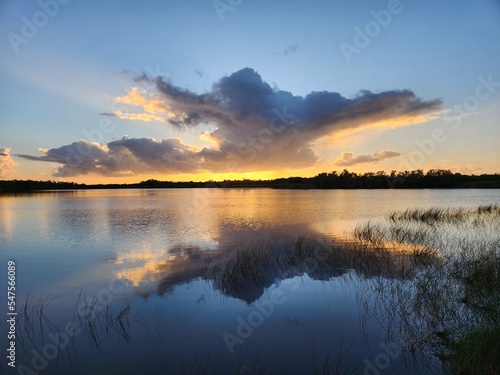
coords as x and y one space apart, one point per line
417 179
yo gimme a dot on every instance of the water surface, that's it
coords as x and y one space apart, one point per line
139 258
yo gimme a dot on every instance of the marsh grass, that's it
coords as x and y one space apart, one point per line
95 318
333 362
448 215
102 319
450 308
477 353
250 270
33 320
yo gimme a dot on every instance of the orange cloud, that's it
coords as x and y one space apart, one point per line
152 105
141 266
139 116
7 164
405 120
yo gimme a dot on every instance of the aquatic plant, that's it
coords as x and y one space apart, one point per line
451 305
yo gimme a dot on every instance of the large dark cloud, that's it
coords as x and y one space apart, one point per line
256 127
245 96
126 156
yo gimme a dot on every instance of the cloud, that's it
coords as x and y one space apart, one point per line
468 169
348 159
123 72
290 50
244 101
138 116
7 164
255 126
153 107
122 157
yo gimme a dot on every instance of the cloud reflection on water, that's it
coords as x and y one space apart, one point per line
245 271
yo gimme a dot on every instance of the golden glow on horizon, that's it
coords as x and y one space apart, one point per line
270 175
328 147
386 165
198 177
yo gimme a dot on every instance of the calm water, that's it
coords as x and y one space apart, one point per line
134 261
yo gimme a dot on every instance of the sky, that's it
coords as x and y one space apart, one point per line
124 91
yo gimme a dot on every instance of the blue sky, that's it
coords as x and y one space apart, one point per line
75 74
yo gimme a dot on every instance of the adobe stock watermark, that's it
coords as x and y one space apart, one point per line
223 6
106 126
469 105
83 150
247 150
258 142
264 309
245 329
80 153
372 29
30 26
382 361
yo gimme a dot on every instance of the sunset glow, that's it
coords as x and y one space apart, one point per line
198 106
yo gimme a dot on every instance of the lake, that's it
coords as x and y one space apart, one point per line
138 282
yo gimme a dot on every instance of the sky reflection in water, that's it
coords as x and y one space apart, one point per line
179 259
